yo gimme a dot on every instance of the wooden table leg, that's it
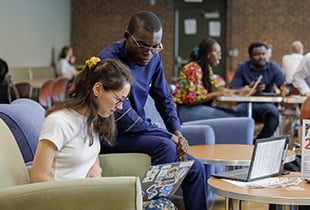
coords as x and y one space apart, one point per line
232 204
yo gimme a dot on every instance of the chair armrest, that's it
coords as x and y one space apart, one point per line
124 164
234 130
96 193
198 134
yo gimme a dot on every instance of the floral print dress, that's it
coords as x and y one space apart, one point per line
189 87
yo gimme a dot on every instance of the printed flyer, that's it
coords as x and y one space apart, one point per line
305 157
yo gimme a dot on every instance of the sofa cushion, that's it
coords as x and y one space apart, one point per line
24 117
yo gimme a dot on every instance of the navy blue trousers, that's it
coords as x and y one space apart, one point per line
266 113
163 150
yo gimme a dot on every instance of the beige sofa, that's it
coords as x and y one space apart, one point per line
20 74
108 193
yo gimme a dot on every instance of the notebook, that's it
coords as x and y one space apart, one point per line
267 160
163 180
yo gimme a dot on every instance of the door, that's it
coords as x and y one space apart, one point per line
194 21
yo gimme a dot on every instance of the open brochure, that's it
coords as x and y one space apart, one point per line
273 182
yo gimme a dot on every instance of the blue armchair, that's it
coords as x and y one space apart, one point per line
236 130
24 117
196 135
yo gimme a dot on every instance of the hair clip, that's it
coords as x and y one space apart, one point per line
92 62
196 52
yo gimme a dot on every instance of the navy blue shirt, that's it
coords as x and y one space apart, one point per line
148 80
246 73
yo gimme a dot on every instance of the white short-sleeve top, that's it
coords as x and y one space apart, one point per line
66 69
68 131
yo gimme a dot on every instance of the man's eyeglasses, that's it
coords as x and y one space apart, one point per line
156 49
118 99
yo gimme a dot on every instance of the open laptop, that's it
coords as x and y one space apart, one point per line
163 180
267 160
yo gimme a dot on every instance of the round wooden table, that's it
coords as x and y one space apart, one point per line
281 196
228 154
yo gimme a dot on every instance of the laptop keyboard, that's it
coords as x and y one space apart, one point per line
240 174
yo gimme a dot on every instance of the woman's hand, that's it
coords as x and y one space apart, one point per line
95 170
246 91
228 92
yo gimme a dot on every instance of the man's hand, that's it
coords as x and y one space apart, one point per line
284 90
182 145
307 94
259 88
182 148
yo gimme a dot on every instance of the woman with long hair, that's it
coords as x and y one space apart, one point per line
196 87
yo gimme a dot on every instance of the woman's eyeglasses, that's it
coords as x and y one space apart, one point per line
156 49
118 99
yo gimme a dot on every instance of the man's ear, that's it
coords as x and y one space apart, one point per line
126 34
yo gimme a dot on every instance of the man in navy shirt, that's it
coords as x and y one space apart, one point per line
139 50
247 73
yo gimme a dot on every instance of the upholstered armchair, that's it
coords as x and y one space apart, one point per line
234 130
105 193
203 134
24 117
20 125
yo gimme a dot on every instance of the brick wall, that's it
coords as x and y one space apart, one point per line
277 22
96 23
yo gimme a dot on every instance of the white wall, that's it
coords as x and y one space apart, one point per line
31 29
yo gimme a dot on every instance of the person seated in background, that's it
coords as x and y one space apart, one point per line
196 87
301 78
6 84
247 73
65 67
291 61
5 94
268 52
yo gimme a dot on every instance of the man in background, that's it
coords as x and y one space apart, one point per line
291 61
301 78
247 73
268 52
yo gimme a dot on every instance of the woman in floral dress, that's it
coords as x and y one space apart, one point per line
197 88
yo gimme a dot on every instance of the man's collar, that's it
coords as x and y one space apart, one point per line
255 69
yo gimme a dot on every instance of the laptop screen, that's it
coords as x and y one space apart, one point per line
268 157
